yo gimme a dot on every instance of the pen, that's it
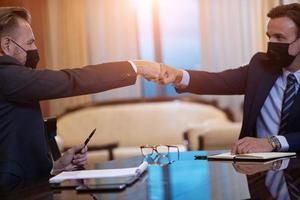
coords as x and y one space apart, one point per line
200 157
90 136
87 140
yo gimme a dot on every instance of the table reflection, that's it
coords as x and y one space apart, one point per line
279 179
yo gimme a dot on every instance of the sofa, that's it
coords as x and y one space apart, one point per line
213 134
123 126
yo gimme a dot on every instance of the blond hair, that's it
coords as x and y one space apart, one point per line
9 19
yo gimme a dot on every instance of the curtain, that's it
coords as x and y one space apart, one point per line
231 32
290 1
66 44
113 35
85 32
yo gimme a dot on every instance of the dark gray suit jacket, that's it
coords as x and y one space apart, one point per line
23 147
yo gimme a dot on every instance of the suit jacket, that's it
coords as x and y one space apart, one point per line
23 146
255 81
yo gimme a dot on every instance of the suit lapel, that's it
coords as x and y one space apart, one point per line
265 81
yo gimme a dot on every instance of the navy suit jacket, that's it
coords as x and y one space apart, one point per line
23 146
255 81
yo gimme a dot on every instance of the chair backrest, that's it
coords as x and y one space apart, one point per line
50 130
134 124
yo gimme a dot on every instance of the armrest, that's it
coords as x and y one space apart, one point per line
108 147
213 134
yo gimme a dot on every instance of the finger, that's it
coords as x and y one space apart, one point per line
245 148
70 167
79 156
234 149
76 149
241 141
252 150
82 163
81 160
242 145
84 150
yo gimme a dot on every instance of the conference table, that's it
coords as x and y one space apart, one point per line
186 179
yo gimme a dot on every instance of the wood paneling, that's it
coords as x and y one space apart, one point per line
37 9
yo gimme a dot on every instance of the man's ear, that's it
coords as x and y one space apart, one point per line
5 45
294 48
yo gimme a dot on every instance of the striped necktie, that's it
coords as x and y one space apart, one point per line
288 99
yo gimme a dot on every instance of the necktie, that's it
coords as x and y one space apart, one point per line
288 99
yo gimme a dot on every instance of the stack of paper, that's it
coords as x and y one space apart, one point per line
101 173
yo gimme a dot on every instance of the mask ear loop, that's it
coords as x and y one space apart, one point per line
18 45
298 38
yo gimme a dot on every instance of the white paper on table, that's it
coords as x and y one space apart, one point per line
99 173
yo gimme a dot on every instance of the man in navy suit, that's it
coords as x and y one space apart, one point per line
23 148
270 83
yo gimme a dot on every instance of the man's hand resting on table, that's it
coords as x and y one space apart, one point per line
251 145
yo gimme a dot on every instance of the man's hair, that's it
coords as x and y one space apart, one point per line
291 11
9 19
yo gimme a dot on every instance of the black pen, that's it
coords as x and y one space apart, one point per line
200 157
90 136
87 140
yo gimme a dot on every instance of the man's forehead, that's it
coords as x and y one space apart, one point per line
23 30
282 24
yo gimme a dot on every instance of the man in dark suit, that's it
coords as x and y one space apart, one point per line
23 148
270 83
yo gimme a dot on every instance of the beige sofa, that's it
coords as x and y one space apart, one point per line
213 134
133 123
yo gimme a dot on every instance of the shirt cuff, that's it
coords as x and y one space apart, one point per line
284 144
133 66
185 79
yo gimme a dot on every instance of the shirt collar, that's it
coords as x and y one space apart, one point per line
285 73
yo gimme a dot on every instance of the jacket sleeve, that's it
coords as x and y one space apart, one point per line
24 85
228 82
293 140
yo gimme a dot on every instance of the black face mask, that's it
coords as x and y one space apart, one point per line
32 56
279 54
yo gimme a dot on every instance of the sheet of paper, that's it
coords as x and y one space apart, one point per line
101 173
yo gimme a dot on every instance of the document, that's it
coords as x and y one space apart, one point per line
252 156
101 173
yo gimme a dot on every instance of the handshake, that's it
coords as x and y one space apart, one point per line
158 72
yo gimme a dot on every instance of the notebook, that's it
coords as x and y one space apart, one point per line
252 156
100 173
